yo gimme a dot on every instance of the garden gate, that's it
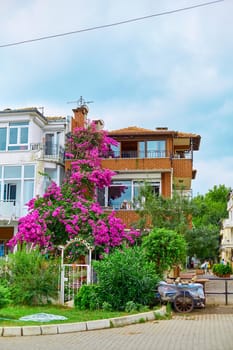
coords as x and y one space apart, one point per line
74 275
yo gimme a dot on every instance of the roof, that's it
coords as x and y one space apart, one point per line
22 110
131 130
30 110
137 131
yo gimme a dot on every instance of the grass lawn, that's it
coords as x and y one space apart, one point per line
9 316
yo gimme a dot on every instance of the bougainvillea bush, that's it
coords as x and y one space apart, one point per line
71 210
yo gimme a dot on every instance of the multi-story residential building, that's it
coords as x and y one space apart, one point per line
162 157
226 233
31 145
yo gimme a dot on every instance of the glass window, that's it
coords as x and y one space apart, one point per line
142 149
28 191
18 136
152 149
13 135
156 149
29 171
24 135
3 139
2 249
124 194
10 191
101 196
18 123
119 194
115 151
12 172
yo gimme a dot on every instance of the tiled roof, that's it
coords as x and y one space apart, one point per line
131 129
134 130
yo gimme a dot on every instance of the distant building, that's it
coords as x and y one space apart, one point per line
226 233
30 145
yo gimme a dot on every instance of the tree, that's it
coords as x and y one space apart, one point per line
209 210
203 242
170 213
165 248
72 210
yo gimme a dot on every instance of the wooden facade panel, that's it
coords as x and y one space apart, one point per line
166 184
6 233
136 163
182 168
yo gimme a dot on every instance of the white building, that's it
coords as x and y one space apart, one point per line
226 232
30 145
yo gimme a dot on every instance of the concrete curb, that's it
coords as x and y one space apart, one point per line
81 326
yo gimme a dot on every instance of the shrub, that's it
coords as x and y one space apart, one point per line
222 269
4 296
87 297
125 275
106 306
32 278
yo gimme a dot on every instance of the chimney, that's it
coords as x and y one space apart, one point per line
80 117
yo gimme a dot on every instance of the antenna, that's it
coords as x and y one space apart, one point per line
42 109
80 102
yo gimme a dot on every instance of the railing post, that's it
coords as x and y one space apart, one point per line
226 292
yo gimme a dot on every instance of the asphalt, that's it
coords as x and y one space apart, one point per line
203 329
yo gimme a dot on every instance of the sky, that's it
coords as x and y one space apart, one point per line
174 68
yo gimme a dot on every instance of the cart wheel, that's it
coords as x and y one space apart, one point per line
184 303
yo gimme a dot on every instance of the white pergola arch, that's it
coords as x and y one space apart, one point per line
89 247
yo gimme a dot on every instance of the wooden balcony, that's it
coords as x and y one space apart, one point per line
136 163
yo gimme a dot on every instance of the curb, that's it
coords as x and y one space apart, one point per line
81 326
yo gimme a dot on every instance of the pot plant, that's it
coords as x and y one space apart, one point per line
222 270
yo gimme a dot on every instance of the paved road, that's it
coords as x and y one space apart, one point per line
192 332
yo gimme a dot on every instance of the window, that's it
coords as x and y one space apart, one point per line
10 192
18 136
123 194
119 193
2 248
12 172
115 151
3 139
28 191
152 149
29 171
16 187
50 145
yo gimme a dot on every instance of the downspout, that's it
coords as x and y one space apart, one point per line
171 182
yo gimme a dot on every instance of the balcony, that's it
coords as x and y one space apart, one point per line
227 223
49 151
150 154
7 210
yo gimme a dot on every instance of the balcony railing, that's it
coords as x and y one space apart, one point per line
7 209
49 151
149 154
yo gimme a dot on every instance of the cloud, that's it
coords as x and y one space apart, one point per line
211 173
173 70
